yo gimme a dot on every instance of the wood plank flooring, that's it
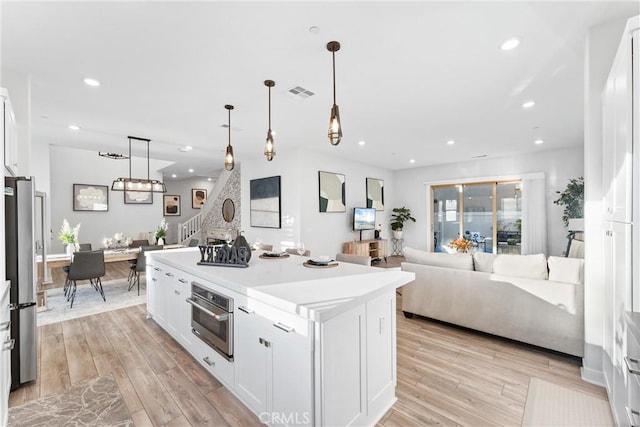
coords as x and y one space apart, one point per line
446 375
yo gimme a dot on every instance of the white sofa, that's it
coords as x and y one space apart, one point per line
522 297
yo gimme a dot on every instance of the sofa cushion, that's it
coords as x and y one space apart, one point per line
526 266
567 270
460 261
483 261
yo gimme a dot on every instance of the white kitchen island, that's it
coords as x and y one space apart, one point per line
311 346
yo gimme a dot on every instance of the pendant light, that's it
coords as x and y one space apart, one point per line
269 146
335 127
138 184
229 161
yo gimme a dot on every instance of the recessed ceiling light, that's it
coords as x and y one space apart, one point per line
361 143
412 161
174 175
450 142
91 82
528 104
190 170
74 127
538 141
186 148
208 179
510 44
314 30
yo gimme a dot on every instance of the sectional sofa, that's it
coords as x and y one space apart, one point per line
527 298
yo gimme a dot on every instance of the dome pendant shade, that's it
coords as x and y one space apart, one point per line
269 145
335 128
229 160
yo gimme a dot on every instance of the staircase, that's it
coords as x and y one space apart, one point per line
188 229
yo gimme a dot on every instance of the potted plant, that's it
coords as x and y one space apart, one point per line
161 232
572 198
69 236
398 218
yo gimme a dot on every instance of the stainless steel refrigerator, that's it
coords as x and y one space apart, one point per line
20 262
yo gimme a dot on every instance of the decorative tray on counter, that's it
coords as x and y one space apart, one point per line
323 264
272 255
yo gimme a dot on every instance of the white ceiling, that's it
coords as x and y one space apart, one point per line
410 76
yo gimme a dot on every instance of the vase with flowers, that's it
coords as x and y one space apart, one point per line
161 232
461 244
69 236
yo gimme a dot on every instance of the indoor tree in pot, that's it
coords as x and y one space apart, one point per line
398 218
572 198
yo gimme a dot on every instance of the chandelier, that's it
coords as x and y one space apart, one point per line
138 184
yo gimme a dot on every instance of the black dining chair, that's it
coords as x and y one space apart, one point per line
193 243
86 265
141 265
81 247
135 244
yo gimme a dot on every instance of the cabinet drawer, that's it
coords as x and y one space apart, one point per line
212 361
280 320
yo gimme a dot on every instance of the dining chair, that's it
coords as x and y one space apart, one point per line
141 265
294 251
354 259
193 243
85 247
86 265
265 247
81 247
139 243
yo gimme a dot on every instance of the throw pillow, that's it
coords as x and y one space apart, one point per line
525 266
460 261
568 270
483 261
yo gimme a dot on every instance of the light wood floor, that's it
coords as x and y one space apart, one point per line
446 375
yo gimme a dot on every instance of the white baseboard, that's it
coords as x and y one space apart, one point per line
592 376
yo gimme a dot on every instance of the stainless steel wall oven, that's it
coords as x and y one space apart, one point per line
212 319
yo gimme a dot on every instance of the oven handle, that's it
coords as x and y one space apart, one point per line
218 317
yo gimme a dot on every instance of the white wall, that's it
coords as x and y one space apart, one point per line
600 49
183 189
558 165
72 166
322 233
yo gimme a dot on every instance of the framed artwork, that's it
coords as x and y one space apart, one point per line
138 197
375 193
265 202
198 197
331 192
170 205
88 197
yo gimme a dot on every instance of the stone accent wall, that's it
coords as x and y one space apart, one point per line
213 219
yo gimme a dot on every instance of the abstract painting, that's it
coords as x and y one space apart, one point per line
375 194
88 197
265 202
332 192
171 205
198 197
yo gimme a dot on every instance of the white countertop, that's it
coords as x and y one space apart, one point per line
317 294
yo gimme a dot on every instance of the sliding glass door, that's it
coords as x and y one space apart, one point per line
487 214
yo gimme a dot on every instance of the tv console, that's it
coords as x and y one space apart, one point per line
375 248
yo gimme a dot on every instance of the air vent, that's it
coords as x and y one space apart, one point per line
298 92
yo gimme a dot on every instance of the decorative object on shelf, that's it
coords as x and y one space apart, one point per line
228 210
335 127
171 205
331 192
377 233
572 198
461 244
398 218
269 146
198 197
89 197
138 184
69 236
264 194
229 160
224 256
375 193
138 197
161 232
114 156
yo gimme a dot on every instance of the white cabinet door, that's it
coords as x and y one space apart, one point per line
181 291
169 294
5 351
251 359
381 344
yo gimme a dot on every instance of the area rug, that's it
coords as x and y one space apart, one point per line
549 404
88 301
95 402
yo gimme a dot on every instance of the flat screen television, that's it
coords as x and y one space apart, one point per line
364 219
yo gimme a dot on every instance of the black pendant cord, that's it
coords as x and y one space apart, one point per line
269 108
129 159
333 55
148 161
229 144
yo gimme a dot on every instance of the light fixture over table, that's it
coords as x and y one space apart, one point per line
138 184
335 127
229 161
269 146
